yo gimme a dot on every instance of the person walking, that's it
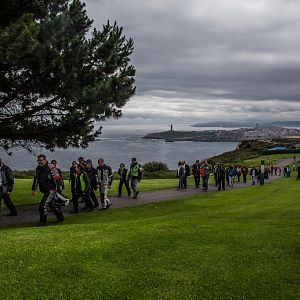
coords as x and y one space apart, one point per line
43 179
72 170
227 177
6 188
288 171
124 179
298 172
105 179
57 175
59 199
186 174
231 174
181 176
135 173
244 171
80 188
215 169
254 174
196 173
92 175
207 170
284 171
272 170
221 175
238 173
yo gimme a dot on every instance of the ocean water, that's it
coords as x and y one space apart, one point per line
119 143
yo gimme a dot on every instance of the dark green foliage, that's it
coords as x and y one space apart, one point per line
155 166
54 81
160 175
24 174
157 170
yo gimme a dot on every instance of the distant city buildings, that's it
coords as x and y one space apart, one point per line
270 132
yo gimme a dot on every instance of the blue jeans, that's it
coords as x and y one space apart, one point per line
205 182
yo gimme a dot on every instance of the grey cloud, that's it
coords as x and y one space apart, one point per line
200 49
193 109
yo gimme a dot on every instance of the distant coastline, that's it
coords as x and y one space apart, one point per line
235 135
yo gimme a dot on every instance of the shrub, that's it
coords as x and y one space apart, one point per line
155 166
160 175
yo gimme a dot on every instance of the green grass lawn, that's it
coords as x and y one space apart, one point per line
22 189
238 244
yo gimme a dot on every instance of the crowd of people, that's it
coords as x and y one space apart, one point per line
227 175
86 180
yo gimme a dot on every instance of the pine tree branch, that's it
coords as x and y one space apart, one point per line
17 117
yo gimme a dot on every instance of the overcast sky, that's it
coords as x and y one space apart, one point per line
201 60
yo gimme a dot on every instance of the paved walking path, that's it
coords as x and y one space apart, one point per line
28 214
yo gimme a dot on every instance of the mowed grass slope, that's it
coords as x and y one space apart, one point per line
238 244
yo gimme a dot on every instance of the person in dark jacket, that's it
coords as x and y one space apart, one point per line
244 171
196 173
6 187
298 173
124 179
80 188
221 175
43 179
72 170
92 174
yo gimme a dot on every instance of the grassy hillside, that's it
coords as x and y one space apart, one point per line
252 149
238 244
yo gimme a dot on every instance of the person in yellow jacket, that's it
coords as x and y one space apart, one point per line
80 187
135 174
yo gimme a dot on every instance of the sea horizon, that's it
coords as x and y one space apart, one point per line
119 143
